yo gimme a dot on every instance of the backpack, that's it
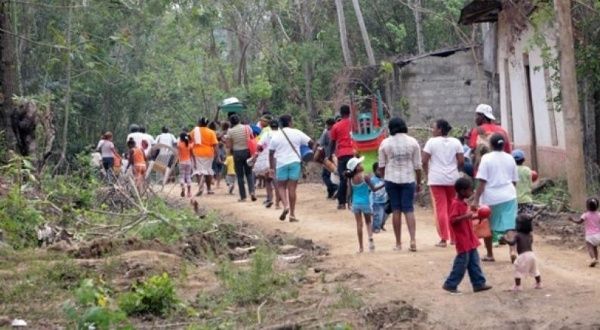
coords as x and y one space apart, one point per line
482 146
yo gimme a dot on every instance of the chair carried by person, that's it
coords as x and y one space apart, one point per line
164 163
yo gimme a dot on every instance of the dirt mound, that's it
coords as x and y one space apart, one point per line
102 247
396 314
558 230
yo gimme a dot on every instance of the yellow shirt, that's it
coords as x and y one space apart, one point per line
230 166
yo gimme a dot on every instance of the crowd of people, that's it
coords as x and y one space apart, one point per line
462 177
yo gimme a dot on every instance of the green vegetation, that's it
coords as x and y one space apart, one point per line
348 298
154 296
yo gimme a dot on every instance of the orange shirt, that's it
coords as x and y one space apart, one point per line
138 157
185 152
204 147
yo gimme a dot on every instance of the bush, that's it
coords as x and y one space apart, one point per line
19 219
255 284
155 296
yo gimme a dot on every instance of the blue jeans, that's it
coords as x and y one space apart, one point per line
379 215
466 262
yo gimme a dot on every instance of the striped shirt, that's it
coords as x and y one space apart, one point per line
238 135
400 154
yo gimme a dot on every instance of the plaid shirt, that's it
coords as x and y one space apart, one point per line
400 154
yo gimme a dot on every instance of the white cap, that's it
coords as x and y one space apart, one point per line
352 163
485 110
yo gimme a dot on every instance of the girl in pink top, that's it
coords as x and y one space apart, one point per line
591 220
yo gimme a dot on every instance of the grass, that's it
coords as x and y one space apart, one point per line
556 197
348 298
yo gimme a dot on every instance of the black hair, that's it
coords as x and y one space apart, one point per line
225 125
497 142
444 126
591 204
203 122
524 224
345 110
134 128
184 136
234 120
397 125
350 174
274 124
131 143
212 125
285 120
462 184
520 161
142 129
375 166
165 129
330 121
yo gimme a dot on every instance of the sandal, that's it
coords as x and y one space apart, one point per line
441 244
413 247
284 214
488 259
398 247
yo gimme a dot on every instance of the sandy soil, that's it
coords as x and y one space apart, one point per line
570 297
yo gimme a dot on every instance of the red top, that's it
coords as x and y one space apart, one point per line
489 129
465 237
340 133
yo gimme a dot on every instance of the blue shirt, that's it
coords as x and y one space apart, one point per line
379 196
361 194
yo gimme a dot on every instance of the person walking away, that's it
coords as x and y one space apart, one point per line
147 141
107 150
591 220
137 159
442 160
325 143
341 146
230 173
400 164
497 178
467 257
261 166
285 162
361 199
219 163
204 148
184 149
526 263
479 136
524 196
237 141
378 199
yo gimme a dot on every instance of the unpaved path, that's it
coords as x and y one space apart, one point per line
570 297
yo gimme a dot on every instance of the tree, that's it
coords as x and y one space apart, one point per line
339 6
570 105
8 71
363 32
418 26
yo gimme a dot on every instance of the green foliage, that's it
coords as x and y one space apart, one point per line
91 308
555 197
348 298
256 284
154 296
19 219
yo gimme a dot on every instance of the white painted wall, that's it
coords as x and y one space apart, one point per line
518 89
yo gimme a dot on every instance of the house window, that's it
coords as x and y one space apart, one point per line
507 97
550 106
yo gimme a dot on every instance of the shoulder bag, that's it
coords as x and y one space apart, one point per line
295 151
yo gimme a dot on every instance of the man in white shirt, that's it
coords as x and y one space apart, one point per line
285 160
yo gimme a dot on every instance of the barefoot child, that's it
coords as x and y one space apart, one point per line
467 258
378 198
591 219
525 263
230 172
184 149
361 201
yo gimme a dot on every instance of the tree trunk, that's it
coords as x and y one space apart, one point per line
67 98
576 178
363 32
343 33
9 74
307 30
418 25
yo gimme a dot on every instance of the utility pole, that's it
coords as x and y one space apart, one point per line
570 104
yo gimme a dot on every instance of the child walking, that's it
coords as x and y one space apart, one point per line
525 264
524 197
184 148
230 172
137 158
361 201
591 220
378 198
467 258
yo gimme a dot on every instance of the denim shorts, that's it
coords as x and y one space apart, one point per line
401 195
362 208
289 172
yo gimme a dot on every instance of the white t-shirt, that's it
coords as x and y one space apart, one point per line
262 160
443 167
283 150
499 170
167 139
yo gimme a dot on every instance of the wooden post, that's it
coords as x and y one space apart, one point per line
575 165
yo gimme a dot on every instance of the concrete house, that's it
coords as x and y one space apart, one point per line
526 88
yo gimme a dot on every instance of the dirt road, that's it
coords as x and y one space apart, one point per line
570 297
